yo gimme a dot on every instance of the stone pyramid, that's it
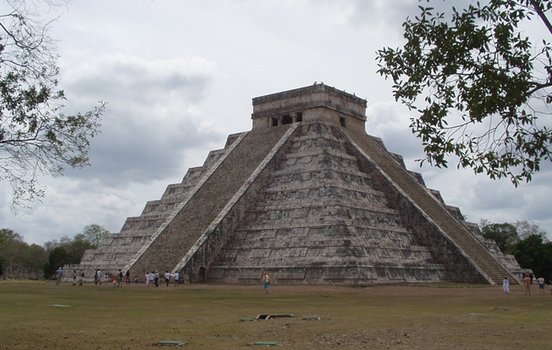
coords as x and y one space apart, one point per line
310 197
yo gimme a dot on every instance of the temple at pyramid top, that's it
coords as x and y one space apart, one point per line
315 102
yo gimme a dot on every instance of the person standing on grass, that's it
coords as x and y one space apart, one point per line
99 276
59 275
156 279
167 278
266 281
506 286
127 277
527 283
176 278
120 278
540 281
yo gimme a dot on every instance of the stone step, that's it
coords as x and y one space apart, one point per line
473 249
338 273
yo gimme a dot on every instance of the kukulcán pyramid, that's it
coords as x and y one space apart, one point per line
310 197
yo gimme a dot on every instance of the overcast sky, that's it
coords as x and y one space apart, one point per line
179 76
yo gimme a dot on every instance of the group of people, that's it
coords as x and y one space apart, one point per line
527 281
152 278
79 275
116 277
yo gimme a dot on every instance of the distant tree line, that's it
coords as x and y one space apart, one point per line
526 241
21 260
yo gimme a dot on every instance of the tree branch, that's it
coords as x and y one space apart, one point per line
541 14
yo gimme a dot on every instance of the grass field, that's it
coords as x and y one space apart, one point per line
40 315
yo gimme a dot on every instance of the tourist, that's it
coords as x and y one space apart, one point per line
176 278
147 276
540 281
59 275
127 277
506 285
99 277
156 279
120 278
114 279
81 278
74 277
266 281
167 278
527 284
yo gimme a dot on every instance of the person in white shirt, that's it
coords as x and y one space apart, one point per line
506 285
540 281
99 276
167 278
176 278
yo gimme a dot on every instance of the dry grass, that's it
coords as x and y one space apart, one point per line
208 317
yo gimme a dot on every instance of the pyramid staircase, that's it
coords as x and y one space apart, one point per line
193 216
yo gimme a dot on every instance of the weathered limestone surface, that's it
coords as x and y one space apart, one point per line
320 221
116 251
436 227
178 236
310 197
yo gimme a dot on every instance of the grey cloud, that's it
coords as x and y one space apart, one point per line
537 197
151 120
390 13
497 195
363 12
143 153
389 121
121 79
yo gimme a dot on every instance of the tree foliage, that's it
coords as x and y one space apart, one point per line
58 257
531 248
535 253
36 137
75 249
21 260
505 235
17 258
94 234
481 87
525 229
